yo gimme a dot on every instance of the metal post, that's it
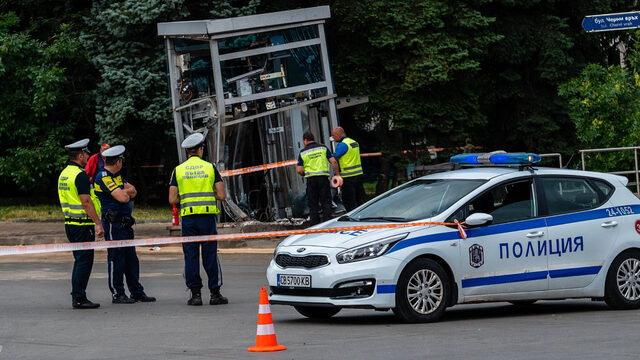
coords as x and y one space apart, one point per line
635 156
217 80
175 98
582 155
333 114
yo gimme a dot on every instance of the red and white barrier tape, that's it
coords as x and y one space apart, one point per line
49 248
256 168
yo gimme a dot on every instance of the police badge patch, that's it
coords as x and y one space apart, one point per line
476 255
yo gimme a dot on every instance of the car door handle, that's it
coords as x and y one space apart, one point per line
609 224
535 234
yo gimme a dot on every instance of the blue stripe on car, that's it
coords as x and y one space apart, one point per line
510 278
514 226
386 289
587 270
504 279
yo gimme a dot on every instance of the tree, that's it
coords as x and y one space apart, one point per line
133 102
417 61
34 101
604 106
542 45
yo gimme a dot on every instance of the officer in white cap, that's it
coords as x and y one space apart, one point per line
196 185
115 195
80 219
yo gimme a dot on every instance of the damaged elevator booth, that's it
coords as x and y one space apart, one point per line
253 85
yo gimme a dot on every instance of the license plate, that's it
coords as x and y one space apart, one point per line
299 281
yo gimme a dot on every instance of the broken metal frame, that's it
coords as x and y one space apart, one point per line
212 31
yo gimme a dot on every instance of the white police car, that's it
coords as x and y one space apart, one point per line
532 233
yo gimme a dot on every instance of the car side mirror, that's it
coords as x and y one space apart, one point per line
478 219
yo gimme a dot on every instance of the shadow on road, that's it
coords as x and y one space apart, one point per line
465 313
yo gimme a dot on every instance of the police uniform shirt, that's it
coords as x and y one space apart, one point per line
174 181
311 146
82 180
105 183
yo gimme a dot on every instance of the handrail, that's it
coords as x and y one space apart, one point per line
635 156
554 155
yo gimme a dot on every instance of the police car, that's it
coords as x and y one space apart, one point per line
531 234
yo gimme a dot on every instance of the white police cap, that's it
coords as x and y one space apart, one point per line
114 151
80 145
193 140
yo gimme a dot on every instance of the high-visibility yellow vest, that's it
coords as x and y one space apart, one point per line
196 179
315 161
70 202
350 164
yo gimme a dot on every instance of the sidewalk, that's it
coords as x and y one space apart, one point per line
25 232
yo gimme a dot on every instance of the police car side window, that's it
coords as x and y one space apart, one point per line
564 195
604 187
505 203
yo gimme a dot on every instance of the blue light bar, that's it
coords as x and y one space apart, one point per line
496 158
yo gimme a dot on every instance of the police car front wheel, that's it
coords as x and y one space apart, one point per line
423 292
622 288
314 312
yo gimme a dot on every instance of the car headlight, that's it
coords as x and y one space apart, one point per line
370 250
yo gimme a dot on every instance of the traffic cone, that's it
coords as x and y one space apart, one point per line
266 334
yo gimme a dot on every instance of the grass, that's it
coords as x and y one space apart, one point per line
8 213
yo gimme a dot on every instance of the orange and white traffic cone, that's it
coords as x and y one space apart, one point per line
266 334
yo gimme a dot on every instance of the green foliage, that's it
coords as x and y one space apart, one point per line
603 104
34 76
417 60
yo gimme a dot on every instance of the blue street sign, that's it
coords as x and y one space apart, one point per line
609 22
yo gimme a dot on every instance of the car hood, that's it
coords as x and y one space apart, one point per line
345 239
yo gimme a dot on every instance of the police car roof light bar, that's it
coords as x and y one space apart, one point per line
496 158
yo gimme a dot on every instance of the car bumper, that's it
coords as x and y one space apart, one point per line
328 284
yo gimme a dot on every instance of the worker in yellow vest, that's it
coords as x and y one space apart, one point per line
196 185
313 165
80 219
348 155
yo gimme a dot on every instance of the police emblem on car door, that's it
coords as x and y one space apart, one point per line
476 255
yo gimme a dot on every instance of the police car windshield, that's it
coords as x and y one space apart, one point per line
420 199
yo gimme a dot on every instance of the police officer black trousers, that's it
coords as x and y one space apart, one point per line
194 225
123 262
352 192
318 194
83 263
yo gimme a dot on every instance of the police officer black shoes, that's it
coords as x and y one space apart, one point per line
217 298
122 299
143 298
196 298
84 304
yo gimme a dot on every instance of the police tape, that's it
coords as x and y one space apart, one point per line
92 245
278 164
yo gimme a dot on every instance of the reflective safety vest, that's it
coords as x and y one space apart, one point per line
70 202
315 161
350 164
196 179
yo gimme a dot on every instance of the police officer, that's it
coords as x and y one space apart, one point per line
196 185
313 165
115 195
348 155
80 216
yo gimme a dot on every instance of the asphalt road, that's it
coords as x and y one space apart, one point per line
37 321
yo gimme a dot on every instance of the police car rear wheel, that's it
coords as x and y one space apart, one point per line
622 288
314 312
423 292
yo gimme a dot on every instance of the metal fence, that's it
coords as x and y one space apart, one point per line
624 172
